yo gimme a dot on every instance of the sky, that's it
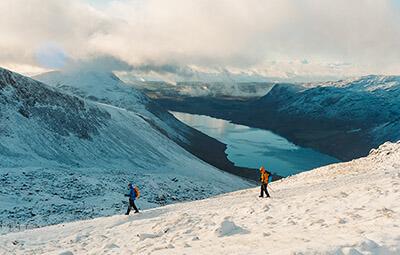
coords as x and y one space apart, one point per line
307 39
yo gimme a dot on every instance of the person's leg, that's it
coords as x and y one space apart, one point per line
129 206
134 207
262 190
266 190
129 209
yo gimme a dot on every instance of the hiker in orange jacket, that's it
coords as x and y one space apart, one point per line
264 178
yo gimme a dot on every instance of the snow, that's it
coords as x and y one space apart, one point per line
369 83
97 86
107 88
345 208
370 104
63 158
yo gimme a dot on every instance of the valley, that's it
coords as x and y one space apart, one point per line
344 119
252 147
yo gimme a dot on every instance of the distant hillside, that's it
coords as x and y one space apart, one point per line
344 119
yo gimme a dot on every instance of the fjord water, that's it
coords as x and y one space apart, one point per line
253 147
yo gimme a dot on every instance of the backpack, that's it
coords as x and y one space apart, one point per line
270 178
137 191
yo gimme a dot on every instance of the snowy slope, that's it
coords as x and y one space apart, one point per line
346 208
387 89
369 98
104 87
365 83
358 101
64 158
344 118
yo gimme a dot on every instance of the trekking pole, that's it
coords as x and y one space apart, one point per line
269 186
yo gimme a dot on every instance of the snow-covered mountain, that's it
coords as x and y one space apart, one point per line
364 83
347 208
373 100
64 158
106 88
350 116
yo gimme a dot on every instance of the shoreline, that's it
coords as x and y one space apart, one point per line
317 135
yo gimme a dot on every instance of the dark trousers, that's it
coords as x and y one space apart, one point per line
131 205
264 189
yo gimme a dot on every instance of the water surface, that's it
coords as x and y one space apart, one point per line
253 147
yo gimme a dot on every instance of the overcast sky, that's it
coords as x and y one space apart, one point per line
266 37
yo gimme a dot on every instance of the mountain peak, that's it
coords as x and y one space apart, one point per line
101 86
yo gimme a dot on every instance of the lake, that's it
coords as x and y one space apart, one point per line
253 147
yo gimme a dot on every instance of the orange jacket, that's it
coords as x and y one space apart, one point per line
264 177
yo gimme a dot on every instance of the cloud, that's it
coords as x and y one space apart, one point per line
267 37
50 55
98 63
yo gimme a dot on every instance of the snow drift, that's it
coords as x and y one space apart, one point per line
345 208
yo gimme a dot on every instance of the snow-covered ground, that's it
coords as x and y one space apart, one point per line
346 208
